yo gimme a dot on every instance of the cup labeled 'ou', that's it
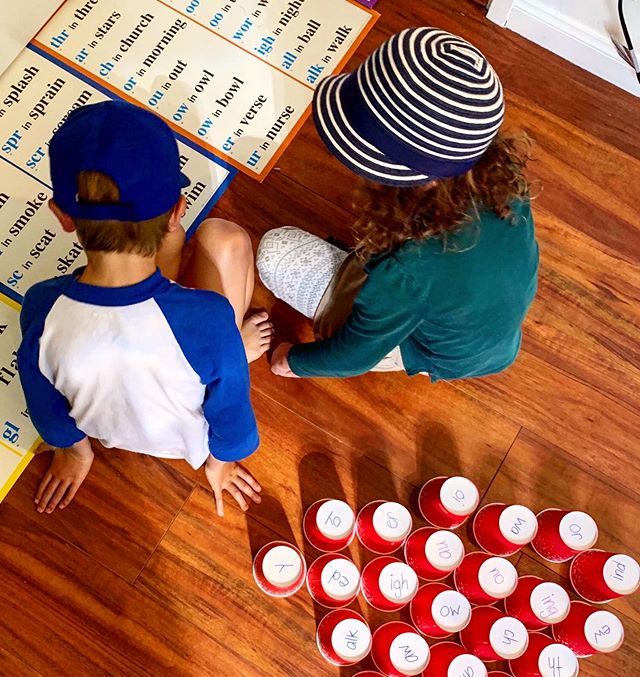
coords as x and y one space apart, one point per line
432 553
483 579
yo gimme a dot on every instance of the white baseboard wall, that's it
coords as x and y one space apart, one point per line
570 40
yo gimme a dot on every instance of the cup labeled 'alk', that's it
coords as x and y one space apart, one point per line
439 611
545 658
538 603
279 569
329 525
449 659
399 651
502 529
447 502
343 637
562 534
588 630
600 576
433 554
383 526
492 636
484 579
333 581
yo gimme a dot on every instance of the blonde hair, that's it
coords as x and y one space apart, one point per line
138 237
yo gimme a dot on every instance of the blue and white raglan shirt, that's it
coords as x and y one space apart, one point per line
153 368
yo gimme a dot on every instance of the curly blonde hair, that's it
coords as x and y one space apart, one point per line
390 216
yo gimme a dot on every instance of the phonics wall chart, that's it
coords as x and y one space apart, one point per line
233 78
236 77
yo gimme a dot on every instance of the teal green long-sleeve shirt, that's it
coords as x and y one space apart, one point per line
455 308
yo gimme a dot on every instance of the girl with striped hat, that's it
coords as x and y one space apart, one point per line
446 261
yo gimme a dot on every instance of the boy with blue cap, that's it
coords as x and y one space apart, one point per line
117 351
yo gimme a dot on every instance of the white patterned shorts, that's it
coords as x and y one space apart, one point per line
297 267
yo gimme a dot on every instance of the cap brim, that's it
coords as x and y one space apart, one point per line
184 180
349 147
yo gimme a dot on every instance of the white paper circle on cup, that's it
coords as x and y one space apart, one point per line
604 631
351 639
509 638
451 611
340 578
518 524
550 602
578 530
444 550
409 653
282 566
498 577
622 574
558 659
459 496
392 521
335 519
398 582
466 664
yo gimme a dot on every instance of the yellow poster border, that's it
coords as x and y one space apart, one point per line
26 458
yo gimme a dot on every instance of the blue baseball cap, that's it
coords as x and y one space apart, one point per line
132 146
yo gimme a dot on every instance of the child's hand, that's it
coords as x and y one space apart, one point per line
238 481
65 475
280 361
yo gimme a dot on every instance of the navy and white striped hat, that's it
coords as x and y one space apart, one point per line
425 105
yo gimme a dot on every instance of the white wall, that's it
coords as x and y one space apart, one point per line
578 30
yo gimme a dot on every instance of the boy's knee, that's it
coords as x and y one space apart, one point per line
224 238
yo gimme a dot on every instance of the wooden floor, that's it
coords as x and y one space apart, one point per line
140 578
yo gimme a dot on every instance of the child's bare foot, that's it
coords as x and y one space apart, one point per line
257 334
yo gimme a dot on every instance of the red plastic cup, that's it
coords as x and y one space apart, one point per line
399 651
433 554
388 584
279 569
493 636
333 581
600 576
447 502
329 525
369 673
498 673
438 611
343 637
449 659
483 579
538 603
563 534
588 630
545 658
382 527
503 530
